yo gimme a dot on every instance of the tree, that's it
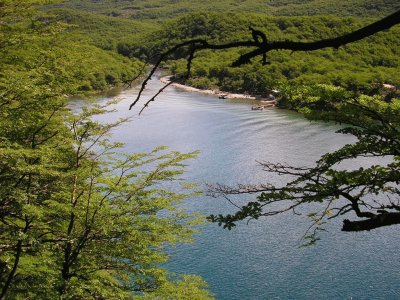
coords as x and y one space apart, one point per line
78 219
370 193
88 222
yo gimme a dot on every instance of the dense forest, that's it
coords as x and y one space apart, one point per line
362 66
80 220
166 9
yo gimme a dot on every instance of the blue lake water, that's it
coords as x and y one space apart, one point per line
262 259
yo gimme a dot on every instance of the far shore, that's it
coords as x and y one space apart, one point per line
261 102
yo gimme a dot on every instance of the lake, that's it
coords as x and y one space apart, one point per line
262 259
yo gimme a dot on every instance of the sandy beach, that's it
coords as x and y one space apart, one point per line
262 102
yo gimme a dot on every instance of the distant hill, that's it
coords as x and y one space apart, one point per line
355 66
104 31
165 9
144 28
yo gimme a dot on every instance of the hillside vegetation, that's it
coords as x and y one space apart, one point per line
104 31
358 66
165 9
144 29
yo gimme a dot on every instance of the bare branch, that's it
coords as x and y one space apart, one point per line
383 219
128 83
154 97
160 60
351 37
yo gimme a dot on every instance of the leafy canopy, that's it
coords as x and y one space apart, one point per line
78 219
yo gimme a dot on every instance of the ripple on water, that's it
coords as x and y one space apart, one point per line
260 260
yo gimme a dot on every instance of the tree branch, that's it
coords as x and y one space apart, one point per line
262 48
351 37
384 219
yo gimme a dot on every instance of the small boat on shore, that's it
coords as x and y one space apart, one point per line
222 96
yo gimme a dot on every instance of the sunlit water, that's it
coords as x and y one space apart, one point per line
262 259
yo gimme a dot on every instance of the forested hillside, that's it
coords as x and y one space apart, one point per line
104 32
144 29
165 9
76 58
356 66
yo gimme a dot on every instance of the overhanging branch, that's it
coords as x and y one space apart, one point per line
383 24
262 48
384 219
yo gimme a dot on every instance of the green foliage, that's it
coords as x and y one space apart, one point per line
78 219
358 67
36 42
114 25
187 288
165 9
104 32
342 85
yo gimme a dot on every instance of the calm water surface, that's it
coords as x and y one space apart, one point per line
261 260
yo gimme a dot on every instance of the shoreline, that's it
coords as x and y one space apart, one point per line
261 102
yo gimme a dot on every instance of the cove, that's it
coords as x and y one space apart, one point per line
262 259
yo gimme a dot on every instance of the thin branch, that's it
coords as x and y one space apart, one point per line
160 60
341 211
155 96
128 83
